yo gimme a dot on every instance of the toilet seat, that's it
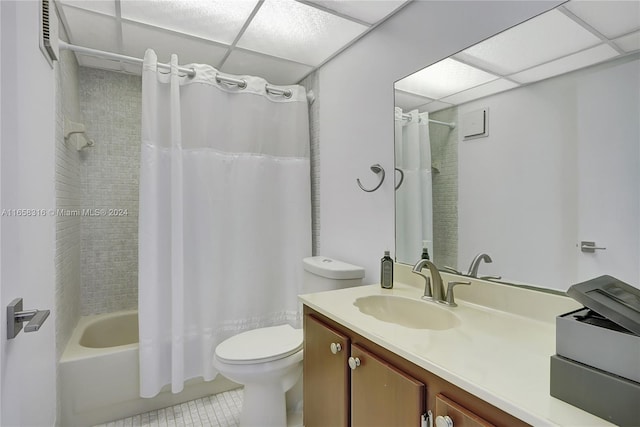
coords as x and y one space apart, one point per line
260 345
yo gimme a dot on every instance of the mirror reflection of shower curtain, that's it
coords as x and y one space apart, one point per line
414 205
225 217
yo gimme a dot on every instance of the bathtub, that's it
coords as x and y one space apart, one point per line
99 374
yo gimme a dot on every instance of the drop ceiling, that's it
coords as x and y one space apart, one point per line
280 40
575 35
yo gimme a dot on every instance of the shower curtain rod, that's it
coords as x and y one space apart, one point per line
437 122
287 93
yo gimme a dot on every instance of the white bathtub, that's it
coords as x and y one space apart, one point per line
99 373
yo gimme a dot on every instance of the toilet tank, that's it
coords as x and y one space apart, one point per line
326 274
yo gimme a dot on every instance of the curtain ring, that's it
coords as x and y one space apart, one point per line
378 170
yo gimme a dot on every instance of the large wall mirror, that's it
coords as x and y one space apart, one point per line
526 147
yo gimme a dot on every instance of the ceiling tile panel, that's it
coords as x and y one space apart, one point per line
629 43
216 20
486 89
409 101
91 30
274 70
298 32
138 38
370 11
541 39
107 7
434 106
564 65
611 18
444 78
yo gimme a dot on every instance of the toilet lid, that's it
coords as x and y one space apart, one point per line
260 345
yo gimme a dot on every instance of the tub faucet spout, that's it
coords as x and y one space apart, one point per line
435 292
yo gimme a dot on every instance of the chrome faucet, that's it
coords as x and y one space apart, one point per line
435 292
473 268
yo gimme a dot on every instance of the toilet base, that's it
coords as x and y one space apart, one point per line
271 411
267 406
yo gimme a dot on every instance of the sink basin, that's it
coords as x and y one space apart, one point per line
407 312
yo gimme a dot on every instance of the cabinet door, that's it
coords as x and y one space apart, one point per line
326 376
381 395
460 416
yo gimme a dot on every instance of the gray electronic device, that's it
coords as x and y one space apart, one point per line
611 298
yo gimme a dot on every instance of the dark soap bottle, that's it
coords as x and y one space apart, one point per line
386 271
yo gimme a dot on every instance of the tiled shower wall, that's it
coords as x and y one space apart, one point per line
111 106
444 156
68 198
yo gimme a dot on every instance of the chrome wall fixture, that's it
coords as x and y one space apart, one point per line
590 247
76 134
16 316
401 177
378 170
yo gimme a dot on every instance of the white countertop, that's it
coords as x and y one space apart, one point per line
499 355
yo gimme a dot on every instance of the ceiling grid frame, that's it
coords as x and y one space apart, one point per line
274 63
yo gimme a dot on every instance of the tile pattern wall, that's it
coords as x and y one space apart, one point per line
111 106
444 155
68 197
312 82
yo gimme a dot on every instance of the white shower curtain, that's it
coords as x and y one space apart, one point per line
414 205
224 219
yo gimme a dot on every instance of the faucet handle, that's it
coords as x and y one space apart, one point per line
490 278
450 301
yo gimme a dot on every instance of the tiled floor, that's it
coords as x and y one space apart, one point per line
220 410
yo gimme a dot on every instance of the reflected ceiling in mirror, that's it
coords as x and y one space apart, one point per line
573 36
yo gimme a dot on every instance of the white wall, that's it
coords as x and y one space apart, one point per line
27 154
517 199
520 197
356 120
608 108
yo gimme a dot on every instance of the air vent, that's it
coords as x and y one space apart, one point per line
48 31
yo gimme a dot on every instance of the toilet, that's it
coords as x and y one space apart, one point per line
268 361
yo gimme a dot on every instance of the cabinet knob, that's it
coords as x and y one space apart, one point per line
444 421
336 347
354 362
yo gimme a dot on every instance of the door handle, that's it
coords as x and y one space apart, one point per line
589 247
16 316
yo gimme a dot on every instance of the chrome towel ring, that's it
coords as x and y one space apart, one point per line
378 170
401 177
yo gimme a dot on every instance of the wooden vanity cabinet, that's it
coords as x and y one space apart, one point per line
382 390
460 416
382 395
326 382
375 393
